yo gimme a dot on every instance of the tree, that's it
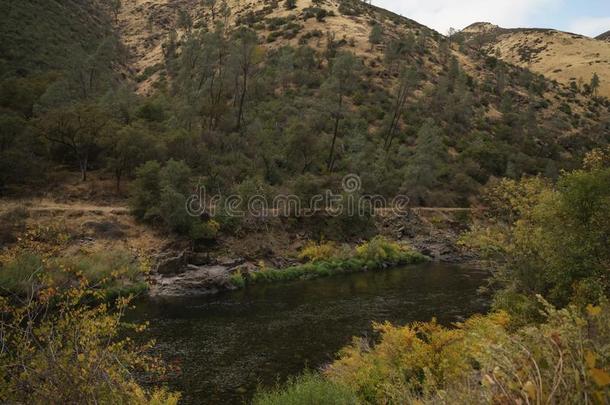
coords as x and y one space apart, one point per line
303 145
201 79
86 76
408 80
549 239
376 35
145 191
290 4
247 55
340 83
594 85
451 34
20 152
78 128
175 187
185 21
160 194
426 165
127 148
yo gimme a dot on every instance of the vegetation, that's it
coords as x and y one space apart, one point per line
325 260
40 258
112 273
54 347
549 239
268 106
309 388
544 239
232 110
564 359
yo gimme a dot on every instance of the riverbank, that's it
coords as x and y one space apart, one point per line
260 251
315 261
377 254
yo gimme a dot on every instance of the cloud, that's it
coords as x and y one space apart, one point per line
442 14
591 26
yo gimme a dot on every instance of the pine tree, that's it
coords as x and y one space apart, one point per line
594 85
426 165
341 82
376 35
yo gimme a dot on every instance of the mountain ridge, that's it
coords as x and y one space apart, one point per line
569 58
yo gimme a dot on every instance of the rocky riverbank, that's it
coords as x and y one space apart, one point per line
189 273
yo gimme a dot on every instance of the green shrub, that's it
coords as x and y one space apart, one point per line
238 280
379 249
308 389
549 239
381 254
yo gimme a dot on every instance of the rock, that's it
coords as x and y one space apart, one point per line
229 261
196 280
199 259
172 264
245 268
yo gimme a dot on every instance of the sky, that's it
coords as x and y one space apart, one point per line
585 17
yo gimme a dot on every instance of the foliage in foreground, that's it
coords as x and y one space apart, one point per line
326 260
309 388
549 239
55 348
564 360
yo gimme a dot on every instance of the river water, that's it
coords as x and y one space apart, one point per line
227 345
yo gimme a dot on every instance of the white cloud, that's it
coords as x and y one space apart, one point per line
442 14
591 26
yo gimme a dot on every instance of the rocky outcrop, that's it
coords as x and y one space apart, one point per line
434 233
193 281
189 273
171 263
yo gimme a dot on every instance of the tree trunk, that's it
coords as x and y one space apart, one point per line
331 157
118 175
242 99
83 163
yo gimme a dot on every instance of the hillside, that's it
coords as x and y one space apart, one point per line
145 26
604 37
562 56
39 35
292 96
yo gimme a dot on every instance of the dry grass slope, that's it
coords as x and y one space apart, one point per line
558 55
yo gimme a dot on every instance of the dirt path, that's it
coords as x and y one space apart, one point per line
51 206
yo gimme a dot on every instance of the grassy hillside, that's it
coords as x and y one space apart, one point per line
562 56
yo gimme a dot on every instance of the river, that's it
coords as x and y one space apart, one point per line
229 344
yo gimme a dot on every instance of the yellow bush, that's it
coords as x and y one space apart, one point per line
317 252
54 348
564 360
